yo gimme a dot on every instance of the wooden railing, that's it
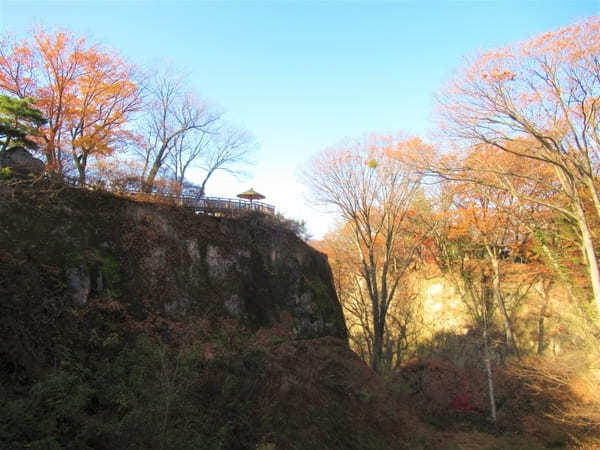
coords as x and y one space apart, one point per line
203 205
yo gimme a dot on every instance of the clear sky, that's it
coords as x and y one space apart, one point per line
303 75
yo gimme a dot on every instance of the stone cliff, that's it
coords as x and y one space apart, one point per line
162 260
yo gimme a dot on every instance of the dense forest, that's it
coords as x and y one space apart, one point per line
466 264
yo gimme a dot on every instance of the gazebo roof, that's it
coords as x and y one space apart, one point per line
251 194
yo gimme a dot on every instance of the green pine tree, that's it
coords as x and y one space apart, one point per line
19 122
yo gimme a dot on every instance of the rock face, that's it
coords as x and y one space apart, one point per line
21 162
163 261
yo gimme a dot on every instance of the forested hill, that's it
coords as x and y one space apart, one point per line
126 324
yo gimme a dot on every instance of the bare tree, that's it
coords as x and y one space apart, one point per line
172 112
186 149
373 190
216 147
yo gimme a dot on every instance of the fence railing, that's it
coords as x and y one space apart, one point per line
200 204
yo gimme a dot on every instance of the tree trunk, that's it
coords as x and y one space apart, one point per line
148 182
80 163
510 339
587 242
204 181
82 180
594 194
53 166
590 253
488 370
541 345
376 355
545 291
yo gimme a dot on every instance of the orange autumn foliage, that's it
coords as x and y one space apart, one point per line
87 93
538 101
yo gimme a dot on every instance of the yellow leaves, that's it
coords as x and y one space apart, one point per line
93 143
372 164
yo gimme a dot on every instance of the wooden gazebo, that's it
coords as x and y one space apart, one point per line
251 195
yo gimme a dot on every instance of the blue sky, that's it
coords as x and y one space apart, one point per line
302 75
